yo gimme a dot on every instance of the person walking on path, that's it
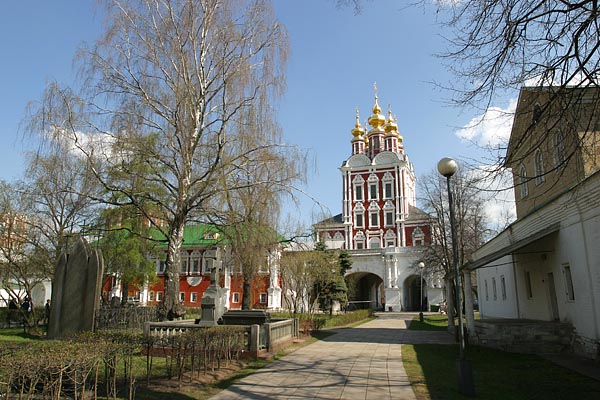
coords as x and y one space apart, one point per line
364 362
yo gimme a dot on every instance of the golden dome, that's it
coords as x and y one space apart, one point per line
391 127
377 120
358 130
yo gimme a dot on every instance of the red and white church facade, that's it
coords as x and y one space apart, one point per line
380 225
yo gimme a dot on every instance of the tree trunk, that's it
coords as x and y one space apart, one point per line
450 307
247 295
171 304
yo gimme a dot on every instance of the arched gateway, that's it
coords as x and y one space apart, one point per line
380 225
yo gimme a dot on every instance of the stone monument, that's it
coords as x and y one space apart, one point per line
212 305
76 290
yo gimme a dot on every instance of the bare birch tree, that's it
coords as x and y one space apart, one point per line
166 83
471 224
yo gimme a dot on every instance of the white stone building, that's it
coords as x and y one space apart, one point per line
545 267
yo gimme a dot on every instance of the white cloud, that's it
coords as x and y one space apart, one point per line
490 129
500 206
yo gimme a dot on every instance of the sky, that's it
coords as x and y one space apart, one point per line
336 57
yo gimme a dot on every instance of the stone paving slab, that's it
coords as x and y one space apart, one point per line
356 363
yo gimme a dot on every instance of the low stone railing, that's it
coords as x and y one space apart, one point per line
281 332
269 336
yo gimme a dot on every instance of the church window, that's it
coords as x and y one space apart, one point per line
374 243
559 149
194 297
373 191
494 290
151 295
390 239
360 245
374 219
159 296
263 298
235 297
503 287
389 218
389 190
539 167
182 296
373 187
358 192
358 220
523 187
418 237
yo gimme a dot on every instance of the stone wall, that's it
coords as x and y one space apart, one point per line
524 336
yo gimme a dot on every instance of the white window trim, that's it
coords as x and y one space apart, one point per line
523 184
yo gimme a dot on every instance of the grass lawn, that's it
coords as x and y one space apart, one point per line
437 322
16 335
497 375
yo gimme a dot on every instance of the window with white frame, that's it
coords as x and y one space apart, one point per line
569 289
358 185
373 215
359 241
539 167
185 260
235 297
359 210
359 220
374 243
503 287
373 191
358 192
388 186
181 296
494 289
389 218
206 263
194 297
390 239
161 265
523 188
418 237
263 298
373 219
373 187
151 295
195 262
159 296
559 149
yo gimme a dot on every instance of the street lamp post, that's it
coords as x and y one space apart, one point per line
447 167
421 266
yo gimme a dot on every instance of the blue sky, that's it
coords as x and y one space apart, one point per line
336 56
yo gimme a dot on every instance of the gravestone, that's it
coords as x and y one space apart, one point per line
212 305
76 290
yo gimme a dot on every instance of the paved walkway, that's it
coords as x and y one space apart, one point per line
358 363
